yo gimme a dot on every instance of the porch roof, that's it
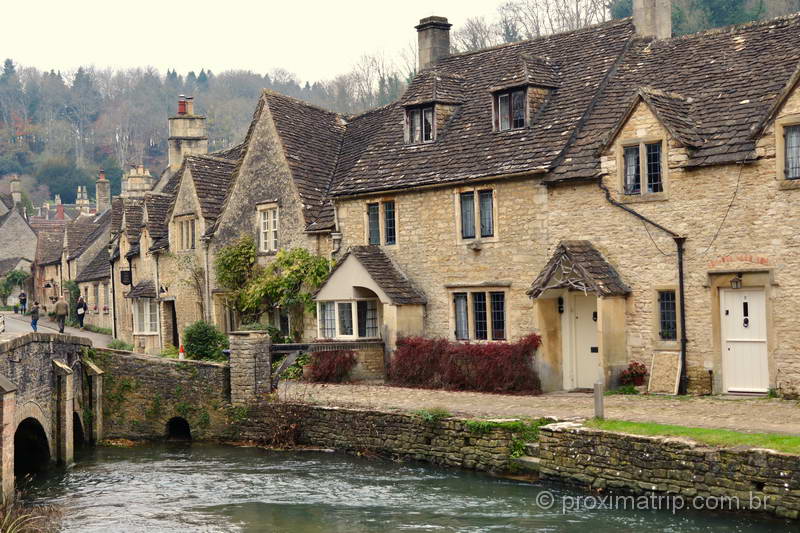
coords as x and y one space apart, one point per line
144 289
387 276
578 265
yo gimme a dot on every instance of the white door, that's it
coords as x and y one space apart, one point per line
587 354
744 340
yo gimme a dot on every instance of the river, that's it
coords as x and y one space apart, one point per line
172 487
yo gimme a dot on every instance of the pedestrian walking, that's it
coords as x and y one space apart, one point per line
80 310
35 316
23 302
61 310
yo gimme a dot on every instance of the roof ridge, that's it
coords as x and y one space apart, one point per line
610 22
272 92
733 28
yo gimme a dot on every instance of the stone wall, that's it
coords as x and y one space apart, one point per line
604 460
448 442
142 393
251 370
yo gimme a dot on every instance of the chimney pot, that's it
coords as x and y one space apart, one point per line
181 105
102 175
190 105
433 38
653 18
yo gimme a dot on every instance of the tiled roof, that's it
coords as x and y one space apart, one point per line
233 153
433 86
386 274
117 207
578 265
468 147
312 139
7 200
100 225
212 177
49 246
157 206
98 268
144 289
133 219
8 264
733 77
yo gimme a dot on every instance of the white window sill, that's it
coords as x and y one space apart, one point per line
139 334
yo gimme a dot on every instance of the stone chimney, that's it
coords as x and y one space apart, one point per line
16 190
653 18
59 208
187 134
433 36
137 182
102 192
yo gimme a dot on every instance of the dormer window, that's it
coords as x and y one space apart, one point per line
643 159
509 109
420 124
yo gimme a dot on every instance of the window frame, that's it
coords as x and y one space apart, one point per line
268 227
477 193
786 128
508 114
186 233
145 313
480 327
660 343
415 123
643 168
381 229
322 329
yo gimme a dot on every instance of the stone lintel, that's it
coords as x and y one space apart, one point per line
92 369
6 386
61 368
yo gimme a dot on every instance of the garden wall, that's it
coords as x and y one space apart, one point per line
758 480
449 442
142 393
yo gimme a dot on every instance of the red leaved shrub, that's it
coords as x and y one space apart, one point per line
441 364
332 367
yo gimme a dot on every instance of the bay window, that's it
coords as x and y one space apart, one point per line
348 319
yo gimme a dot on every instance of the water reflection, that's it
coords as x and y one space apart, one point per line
180 487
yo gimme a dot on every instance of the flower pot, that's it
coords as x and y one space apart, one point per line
307 372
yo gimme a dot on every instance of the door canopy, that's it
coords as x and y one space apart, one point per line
577 265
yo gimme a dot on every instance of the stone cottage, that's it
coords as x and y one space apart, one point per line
623 193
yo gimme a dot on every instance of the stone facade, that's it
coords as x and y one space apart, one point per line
447 442
97 295
431 253
142 393
759 480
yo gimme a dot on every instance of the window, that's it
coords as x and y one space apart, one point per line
268 229
667 316
186 234
643 160
510 110
96 302
106 298
279 319
374 218
357 318
462 320
487 319
420 124
145 316
389 226
327 320
792 147
367 318
482 210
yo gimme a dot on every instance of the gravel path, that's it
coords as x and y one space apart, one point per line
740 414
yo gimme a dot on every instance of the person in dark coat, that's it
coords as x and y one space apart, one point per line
35 316
80 310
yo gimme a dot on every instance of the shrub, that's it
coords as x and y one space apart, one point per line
634 374
437 363
295 370
623 390
169 351
117 344
433 415
204 341
332 367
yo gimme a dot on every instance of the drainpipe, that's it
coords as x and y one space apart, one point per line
206 244
679 245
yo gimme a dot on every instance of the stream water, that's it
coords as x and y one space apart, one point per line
210 488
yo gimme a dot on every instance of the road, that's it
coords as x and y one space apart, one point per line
17 325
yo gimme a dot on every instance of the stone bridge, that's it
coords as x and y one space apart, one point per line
50 403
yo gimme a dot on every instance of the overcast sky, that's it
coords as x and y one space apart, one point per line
314 39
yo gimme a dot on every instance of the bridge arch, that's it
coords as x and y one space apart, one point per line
78 431
31 449
178 429
31 409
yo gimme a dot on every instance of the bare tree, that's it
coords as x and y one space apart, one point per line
475 34
534 18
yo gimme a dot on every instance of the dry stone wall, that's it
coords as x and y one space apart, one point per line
752 479
448 442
